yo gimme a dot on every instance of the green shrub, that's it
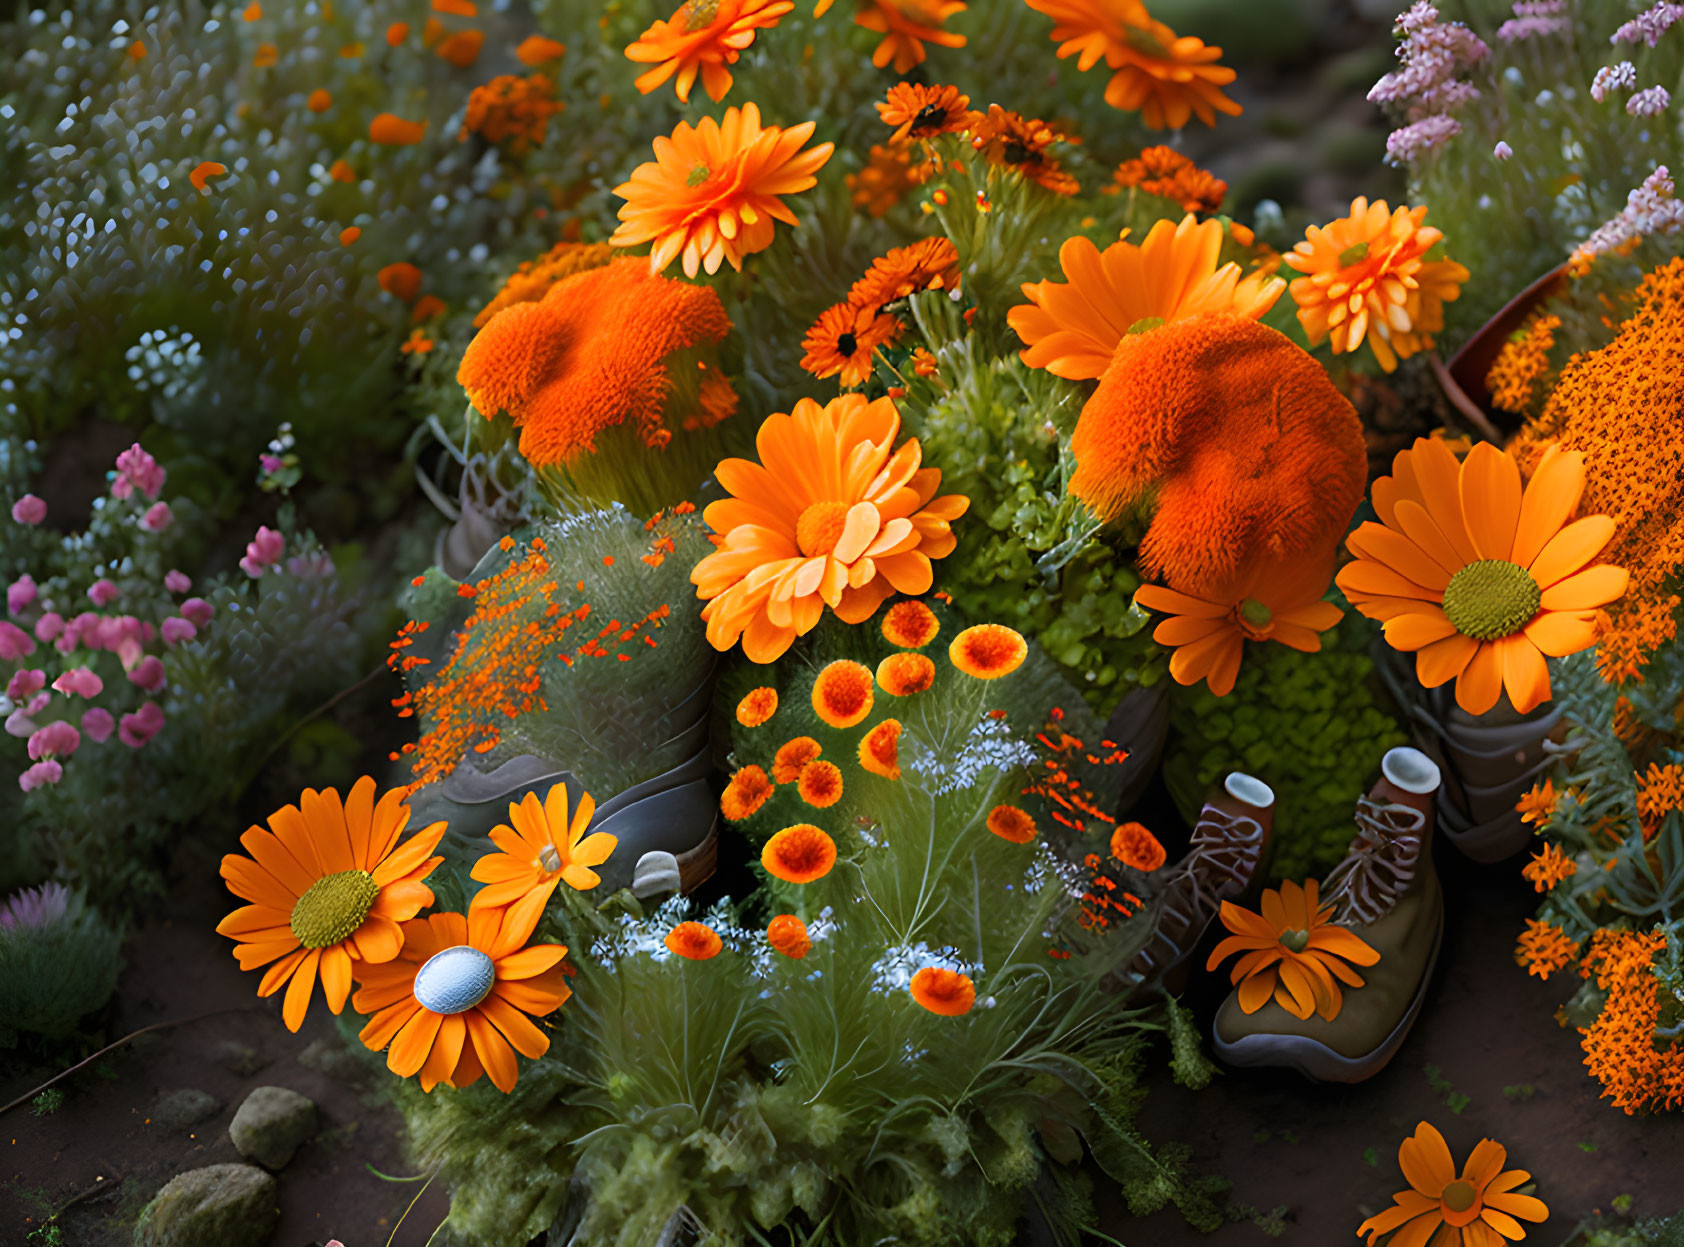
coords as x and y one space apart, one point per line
58 963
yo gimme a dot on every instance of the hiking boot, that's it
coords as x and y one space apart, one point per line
1224 861
1386 891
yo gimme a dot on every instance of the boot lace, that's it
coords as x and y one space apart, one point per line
1381 863
1221 859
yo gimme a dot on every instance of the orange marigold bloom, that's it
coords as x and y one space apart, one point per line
901 675
540 847
1537 805
461 48
1293 952
537 50
1018 142
842 694
988 651
426 307
1478 1206
390 130
1521 364
799 854
757 706
1011 823
320 101
342 172
788 935
203 171
928 264
1481 580
702 37
879 750
512 111
1549 868
714 190
534 278
943 991
1166 173
1073 330
820 784
1237 437
694 941
1136 847
844 341
401 280
920 112
906 26
833 515
792 758
266 56
1619 1046
910 624
1543 948
1660 791
593 354
890 172
327 885
745 794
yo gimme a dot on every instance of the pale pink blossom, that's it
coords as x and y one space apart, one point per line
40 776
137 470
148 673
1649 102
29 510
103 592
1502 151
1535 19
1648 27
141 726
97 724
177 582
49 626
176 630
15 643
1433 54
1652 208
80 682
157 518
263 551
1611 78
57 739
20 594
25 683
198 610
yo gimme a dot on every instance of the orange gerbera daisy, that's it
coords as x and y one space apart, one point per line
1136 847
1363 280
792 758
1291 952
842 693
920 112
831 516
1168 78
1274 601
713 191
879 750
703 37
988 651
943 991
1481 579
1011 823
1480 1203
745 794
928 264
757 706
844 340
1072 329
906 26
541 847
799 854
910 624
1017 142
820 784
328 885
456 1003
788 935
694 941
901 675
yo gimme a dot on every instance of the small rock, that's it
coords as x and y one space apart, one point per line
211 1207
177 1110
238 1058
271 1124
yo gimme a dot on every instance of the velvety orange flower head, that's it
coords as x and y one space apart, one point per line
820 784
1011 823
832 515
533 279
1292 951
842 693
910 624
920 112
703 37
1074 328
792 757
879 750
401 280
461 48
942 991
906 26
1249 450
928 264
1479 1206
694 941
788 935
1014 141
590 355
745 794
1137 848
714 190
843 342
757 706
512 111
988 651
799 854
902 675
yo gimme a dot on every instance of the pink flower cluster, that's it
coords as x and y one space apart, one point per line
1409 143
1612 78
1649 26
1652 208
1649 102
263 552
1536 19
1428 87
136 469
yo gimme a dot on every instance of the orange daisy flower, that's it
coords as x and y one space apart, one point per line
694 941
943 991
928 264
1137 848
757 706
988 651
745 794
1363 280
1166 173
1549 868
1292 951
1093 30
1017 142
1168 78
844 340
328 885
879 750
793 758
1010 823
820 784
1480 1202
714 190
788 935
541 847
920 112
799 854
460 999
1481 580
703 37
842 694
906 26
831 516
1072 329
910 624
901 675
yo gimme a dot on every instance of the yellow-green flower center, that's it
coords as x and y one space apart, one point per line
698 175
696 14
1294 941
1491 599
1256 618
549 860
1458 1196
334 907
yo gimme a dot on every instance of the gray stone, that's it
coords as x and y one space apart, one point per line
333 1059
177 1110
238 1058
271 1124
212 1207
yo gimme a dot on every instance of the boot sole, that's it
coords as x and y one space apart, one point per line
1315 1060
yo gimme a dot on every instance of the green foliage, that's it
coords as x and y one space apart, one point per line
48 1102
58 963
1649 1232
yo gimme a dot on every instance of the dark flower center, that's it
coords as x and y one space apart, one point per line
1017 154
930 118
847 344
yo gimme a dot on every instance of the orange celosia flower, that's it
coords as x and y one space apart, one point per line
702 37
1292 952
393 131
396 33
401 280
820 784
1073 330
1477 1207
920 112
1018 142
842 694
901 675
1537 805
1169 78
792 758
906 26
1660 791
910 624
266 56
1011 823
590 355
540 848
1619 1047
534 278
1166 173
1549 868
833 515
342 172
450 1016
1273 601
1237 437
461 48
714 190
799 854
928 264
1363 280
536 50
1543 949
988 651
203 171
844 341
879 750
943 991
1136 847
512 111
694 941
788 935
1482 580
319 101
759 705
1521 364
745 794
328 884
890 172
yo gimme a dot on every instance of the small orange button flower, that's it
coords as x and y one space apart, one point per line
944 992
799 854
788 935
988 651
842 694
1137 848
879 750
1011 823
902 675
745 794
820 784
910 624
757 706
694 941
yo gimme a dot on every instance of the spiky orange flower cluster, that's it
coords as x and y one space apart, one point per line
1537 804
1619 1046
1070 801
512 112
533 279
1543 948
1619 406
1166 173
1014 141
595 353
703 37
745 794
1521 364
1660 791
1549 868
